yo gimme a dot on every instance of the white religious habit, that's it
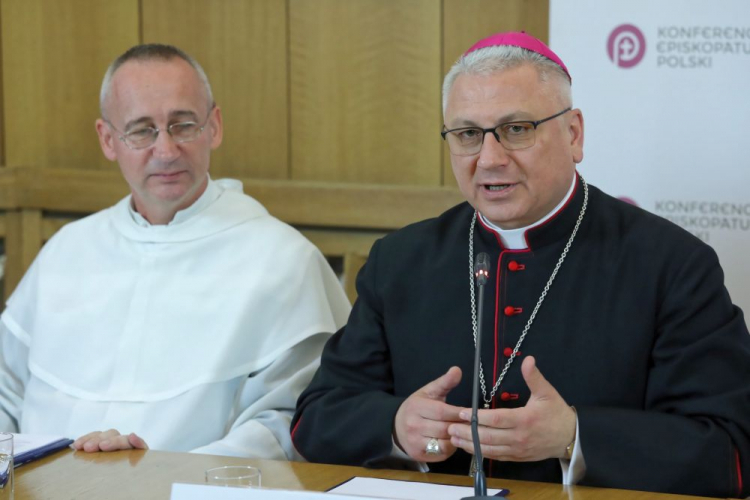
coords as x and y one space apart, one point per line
198 335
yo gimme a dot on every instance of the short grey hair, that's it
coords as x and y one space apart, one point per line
495 59
151 52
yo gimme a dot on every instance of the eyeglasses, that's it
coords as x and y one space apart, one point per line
467 141
143 137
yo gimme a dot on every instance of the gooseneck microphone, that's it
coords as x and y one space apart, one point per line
481 273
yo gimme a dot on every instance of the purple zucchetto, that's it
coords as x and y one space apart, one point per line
522 40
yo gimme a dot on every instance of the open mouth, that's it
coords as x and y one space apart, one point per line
497 187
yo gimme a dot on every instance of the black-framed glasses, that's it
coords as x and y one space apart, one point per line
467 141
143 137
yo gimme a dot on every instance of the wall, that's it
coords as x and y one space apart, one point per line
335 103
311 90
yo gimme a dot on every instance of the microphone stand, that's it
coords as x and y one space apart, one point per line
481 272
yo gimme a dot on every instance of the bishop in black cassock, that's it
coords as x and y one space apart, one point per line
637 332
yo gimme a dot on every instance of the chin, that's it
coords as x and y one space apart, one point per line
504 220
170 194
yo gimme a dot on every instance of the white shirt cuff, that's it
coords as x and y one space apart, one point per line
398 453
574 469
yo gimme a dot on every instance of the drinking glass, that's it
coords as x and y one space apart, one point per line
242 476
6 466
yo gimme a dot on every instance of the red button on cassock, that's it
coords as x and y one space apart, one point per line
510 310
508 351
515 266
507 396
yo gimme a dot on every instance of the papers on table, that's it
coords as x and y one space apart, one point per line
29 447
357 488
203 491
408 490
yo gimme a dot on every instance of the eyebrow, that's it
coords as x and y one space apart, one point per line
183 113
138 121
516 116
178 114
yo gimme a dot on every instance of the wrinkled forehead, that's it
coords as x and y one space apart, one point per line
517 86
513 94
156 87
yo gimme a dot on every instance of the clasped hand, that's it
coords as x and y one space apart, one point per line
541 429
110 440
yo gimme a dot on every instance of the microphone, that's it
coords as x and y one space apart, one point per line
481 273
482 270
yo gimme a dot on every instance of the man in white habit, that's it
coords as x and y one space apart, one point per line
184 317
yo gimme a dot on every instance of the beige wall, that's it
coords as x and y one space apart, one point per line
311 90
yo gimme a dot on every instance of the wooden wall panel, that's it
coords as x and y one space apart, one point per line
365 91
2 114
311 90
242 45
54 55
467 21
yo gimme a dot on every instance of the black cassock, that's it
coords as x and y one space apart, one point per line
637 332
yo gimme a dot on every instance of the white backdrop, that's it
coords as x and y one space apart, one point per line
664 87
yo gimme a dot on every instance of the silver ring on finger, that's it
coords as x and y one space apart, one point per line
433 447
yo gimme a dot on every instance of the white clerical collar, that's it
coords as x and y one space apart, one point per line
515 239
221 207
210 195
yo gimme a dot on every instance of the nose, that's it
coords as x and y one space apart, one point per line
493 153
165 148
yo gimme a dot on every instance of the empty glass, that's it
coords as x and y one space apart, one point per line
6 466
242 476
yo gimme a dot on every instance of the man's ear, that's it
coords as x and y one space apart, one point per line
106 139
216 127
575 129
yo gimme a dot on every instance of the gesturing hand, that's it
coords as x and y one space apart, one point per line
110 440
541 429
425 415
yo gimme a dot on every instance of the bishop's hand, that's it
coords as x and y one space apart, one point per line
110 440
424 416
542 429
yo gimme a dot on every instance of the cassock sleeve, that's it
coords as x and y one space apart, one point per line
346 415
693 435
14 376
265 406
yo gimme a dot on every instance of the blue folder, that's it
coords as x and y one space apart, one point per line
42 451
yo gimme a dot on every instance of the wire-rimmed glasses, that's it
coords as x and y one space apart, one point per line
142 137
467 141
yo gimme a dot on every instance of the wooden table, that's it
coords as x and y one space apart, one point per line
145 475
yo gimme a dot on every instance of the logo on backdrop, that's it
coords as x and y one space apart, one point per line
628 200
703 218
626 46
694 47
